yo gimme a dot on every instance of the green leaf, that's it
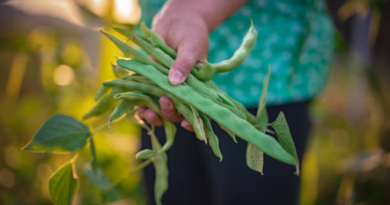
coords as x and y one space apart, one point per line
285 139
98 178
63 185
160 164
61 133
102 182
254 158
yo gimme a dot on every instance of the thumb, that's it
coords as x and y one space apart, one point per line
188 54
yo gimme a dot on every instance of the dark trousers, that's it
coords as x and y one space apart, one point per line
197 177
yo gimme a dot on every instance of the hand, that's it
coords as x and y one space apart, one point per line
186 33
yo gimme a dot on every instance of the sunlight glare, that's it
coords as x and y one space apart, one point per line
127 11
99 7
63 75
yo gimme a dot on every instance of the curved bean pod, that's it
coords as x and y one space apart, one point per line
206 72
241 53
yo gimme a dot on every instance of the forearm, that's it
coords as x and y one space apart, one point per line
213 12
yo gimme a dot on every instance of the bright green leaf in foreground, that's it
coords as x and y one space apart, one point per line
63 185
61 133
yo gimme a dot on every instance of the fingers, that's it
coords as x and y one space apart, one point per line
150 116
187 125
188 53
168 110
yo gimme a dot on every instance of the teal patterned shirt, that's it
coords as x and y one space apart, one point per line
295 37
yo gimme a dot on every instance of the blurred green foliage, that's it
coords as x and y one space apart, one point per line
43 93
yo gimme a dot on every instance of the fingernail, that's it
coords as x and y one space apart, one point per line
165 104
176 78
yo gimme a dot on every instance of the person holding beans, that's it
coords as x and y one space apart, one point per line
295 37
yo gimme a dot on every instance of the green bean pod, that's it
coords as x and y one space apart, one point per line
101 92
160 53
157 53
119 72
156 40
143 99
249 116
241 53
197 124
131 52
103 105
161 171
139 78
121 109
190 115
138 86
220 114
206 72
167 61
146 101
158 92
145 154
128 33
198 86
234 110
213 139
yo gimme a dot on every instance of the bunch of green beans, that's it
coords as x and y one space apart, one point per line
197 99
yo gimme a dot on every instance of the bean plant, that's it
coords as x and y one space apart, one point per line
139 82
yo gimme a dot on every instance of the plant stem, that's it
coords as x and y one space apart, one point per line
127 175
100 128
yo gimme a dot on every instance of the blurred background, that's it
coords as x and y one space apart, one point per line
53 59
